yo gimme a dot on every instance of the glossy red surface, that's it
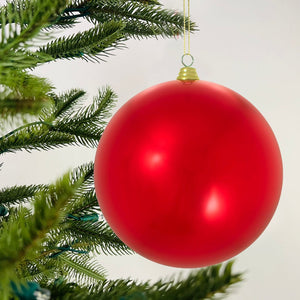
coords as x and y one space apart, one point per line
188 174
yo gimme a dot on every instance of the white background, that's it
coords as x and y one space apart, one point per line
251 47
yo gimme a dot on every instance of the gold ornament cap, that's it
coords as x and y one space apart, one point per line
187 74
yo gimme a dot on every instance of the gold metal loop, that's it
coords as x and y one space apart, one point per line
183 59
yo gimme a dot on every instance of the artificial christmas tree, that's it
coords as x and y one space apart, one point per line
49 233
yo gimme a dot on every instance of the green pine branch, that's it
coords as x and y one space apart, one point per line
86 172
19 194
60 255
86 203
94 115
204 284
59 127
22 21
43 271
31 16
34 136
155 2
65 104
95 236
199 285
82 269
91 45
71 238
22 93
14 104
23 233
142 18
80 228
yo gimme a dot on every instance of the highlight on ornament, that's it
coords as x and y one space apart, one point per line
188 175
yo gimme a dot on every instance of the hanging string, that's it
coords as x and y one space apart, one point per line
187 36
189 27
184 33
187 73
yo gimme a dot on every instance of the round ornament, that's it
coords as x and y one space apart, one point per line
188 173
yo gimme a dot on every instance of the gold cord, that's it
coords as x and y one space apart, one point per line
184 34
189 27
184 27
187 73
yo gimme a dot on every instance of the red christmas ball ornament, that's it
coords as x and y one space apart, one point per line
188 173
